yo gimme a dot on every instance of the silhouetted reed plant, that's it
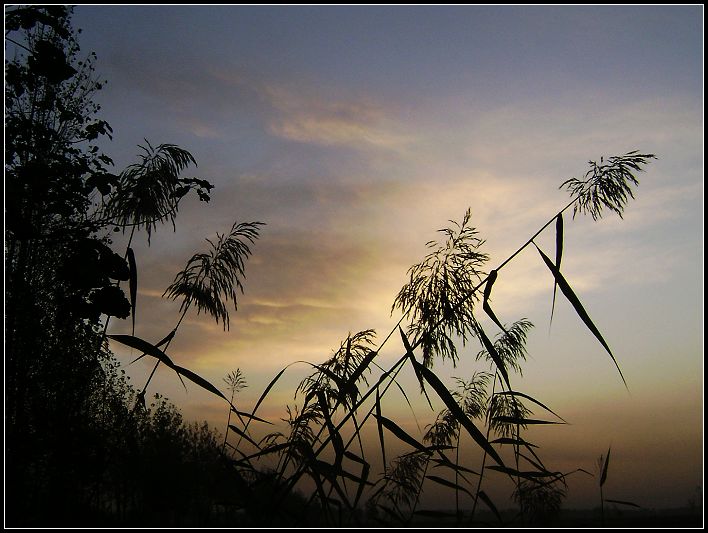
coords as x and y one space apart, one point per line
322 446
85 447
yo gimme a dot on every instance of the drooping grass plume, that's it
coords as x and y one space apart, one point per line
607 184
436 298
338 376
210 279
510 346
148 192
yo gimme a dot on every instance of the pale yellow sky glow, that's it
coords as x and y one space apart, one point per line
356 144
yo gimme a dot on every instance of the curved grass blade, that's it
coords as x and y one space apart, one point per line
409 353
266 451
573 299
457 411
623 503
603 477
449 464
267 389
149 349
434 514
514 442
516 393
522 421
531 475
252 417
144 346
336 437
559 255
402 435
492 351
491 278
446 483
364 476
133 280
358 371
244 435
392 512
167 339
379 425
203 383
488 502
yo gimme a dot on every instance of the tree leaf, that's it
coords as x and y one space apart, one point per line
575 302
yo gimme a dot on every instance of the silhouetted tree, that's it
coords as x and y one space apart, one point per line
75 448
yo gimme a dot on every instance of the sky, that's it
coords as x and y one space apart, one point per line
355 133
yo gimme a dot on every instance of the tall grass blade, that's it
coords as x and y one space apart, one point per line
457 411
444 482
364 477
379 425
445 462
266 451
149 349
516 393
522 421
603 477
559 255
244 435
409 353
144 346
167 339
513 442
267 390
488 502
203 383
623 503
491 278
401 434
248 415
434 514
530 475
349 386
336 437
133 284
573 299
492 351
